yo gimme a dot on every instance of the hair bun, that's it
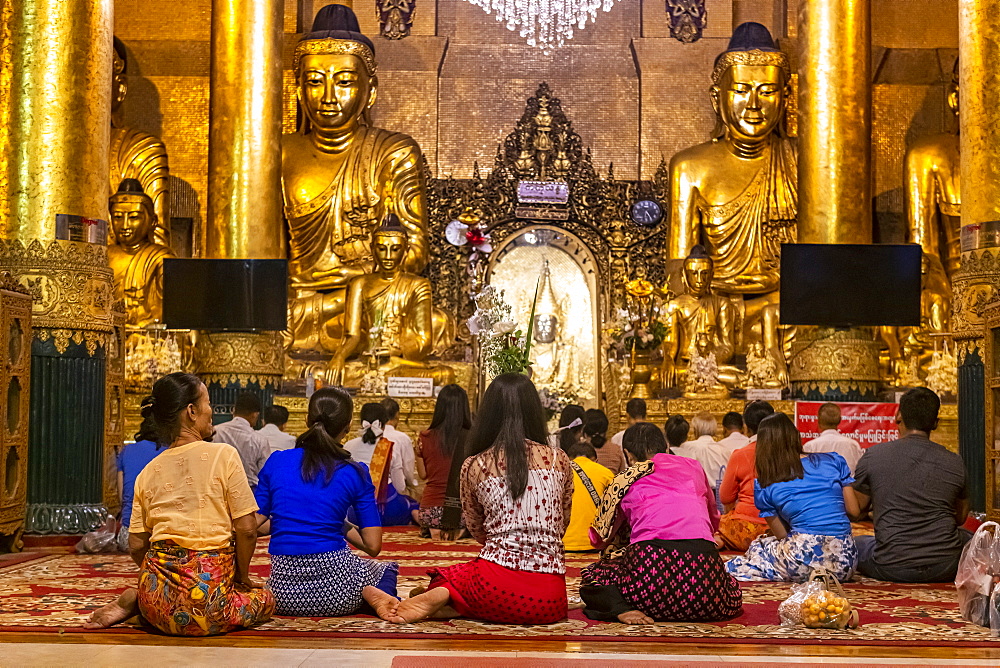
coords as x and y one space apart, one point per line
146 407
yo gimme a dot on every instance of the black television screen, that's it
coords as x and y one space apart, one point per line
225 294
844 285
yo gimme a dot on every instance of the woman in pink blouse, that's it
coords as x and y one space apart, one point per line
656 526
516 496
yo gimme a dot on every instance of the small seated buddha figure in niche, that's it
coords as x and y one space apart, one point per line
737 194
340 177
700 324
933 196
136 259
390 314
135 154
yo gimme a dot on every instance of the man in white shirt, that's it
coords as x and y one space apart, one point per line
240 434
711 455
732 424
403 443
275 420
636 411
831 440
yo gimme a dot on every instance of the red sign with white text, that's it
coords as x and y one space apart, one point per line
867 423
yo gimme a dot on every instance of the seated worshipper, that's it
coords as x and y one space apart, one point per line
741 523
401 442
831 440
712 456
676 430
635 409
440 455
732 424
807 501
570 427
130 462
916 491
516 494
241 434
595 432
656 525
192 504
273 431
385 464
305 492
590 479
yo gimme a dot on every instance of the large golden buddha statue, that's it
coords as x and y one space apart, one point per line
933 196
136 259
390 313
340 177
138 155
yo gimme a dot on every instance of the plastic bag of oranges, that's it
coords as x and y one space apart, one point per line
819 603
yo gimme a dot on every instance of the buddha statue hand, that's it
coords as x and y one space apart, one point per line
334 374
668 373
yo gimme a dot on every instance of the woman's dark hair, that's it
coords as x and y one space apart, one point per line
568 437
147 432
171 394
330 412
581 449
510 413
372 413
779 450
643 440
595 427
452 420
677 429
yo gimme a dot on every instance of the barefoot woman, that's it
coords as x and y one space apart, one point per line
189 503
516 495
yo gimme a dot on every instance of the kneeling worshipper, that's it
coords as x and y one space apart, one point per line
385 464
590 479
131 461
741 523
656 526
306 492
516 494
192 503
440 454
807 500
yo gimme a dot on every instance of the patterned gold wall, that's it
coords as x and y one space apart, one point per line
459 83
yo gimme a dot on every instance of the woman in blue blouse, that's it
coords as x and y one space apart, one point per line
306 492
807 500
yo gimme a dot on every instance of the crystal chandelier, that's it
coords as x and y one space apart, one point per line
545 23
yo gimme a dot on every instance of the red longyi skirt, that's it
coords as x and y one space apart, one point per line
481 589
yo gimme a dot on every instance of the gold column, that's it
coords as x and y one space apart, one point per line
244 153
835 121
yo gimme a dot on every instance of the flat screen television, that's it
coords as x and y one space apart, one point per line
845 285
225 294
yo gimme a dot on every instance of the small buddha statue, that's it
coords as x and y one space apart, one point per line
389 313
340 177
136 259
135 154
933 196
699 323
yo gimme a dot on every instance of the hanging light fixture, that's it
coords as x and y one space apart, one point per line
545 23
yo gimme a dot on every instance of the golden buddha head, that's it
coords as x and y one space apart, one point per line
119 69
132 216
699 270
750 85
389 244
335 70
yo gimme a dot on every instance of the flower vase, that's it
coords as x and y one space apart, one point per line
641 373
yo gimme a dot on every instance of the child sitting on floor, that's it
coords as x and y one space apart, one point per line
590 479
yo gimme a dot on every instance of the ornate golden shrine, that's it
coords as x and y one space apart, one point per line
15 384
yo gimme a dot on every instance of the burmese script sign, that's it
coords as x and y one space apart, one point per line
405 388
542 192
867 423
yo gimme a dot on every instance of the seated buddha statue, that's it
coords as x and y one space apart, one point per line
390 313
136 259
933 196
340 177
135 154
699 323
737 194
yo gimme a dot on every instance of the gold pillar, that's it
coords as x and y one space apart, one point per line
244 153
835 203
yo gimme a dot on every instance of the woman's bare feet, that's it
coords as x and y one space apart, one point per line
635 617
422 606
116 612
576 605
417 591
383 604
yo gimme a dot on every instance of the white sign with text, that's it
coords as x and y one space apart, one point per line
403 387
759 394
